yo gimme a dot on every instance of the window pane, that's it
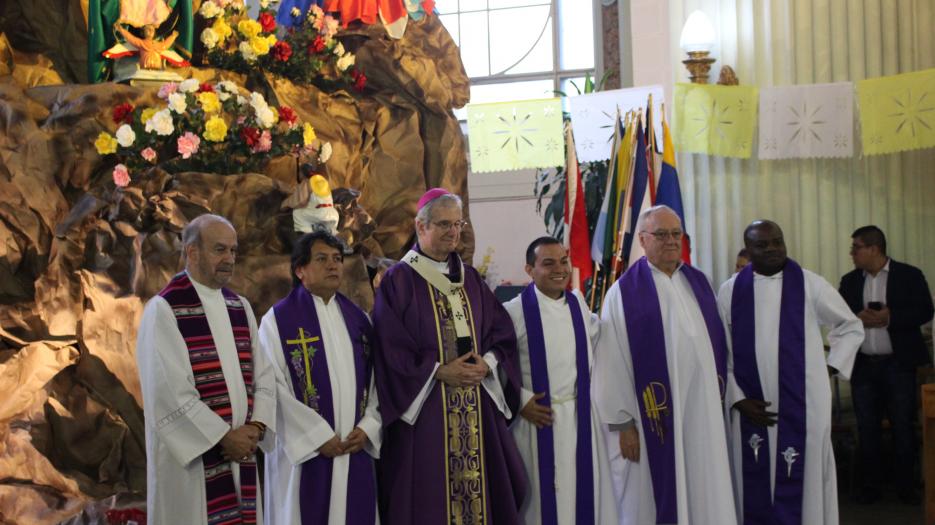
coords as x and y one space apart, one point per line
494 4
474 44
471 5
576 34
522 39
446 6
570 90
451 24
509 91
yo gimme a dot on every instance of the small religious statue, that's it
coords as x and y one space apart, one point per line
142 59
319 212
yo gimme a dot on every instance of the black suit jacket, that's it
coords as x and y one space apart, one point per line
910 304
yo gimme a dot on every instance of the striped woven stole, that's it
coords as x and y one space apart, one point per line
223 507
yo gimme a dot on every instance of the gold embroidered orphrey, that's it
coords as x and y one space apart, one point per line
656 406
464 450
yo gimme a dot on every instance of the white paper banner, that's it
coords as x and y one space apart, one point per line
807 121
592 117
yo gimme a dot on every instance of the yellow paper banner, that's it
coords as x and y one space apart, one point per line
897 113
515 135
715 120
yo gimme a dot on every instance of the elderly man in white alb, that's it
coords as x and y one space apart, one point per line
208 393
559 436
659 368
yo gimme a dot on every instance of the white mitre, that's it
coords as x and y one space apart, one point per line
319 213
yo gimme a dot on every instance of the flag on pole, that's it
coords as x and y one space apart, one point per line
576 218
668 192
599 248
638 198
625 162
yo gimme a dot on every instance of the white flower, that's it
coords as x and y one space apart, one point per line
257 102
189 85
125 136
177 102
345 62
209 38
209 9
265 117
295 11
241 100
324 153
339 49
161 123
225 89
247 51
264 4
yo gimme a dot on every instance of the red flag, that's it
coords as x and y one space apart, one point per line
576 218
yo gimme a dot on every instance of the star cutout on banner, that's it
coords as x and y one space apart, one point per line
805 123
514 130
912 111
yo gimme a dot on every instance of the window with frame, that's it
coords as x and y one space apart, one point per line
522 49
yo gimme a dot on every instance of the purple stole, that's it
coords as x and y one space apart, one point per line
300 335
785 506
538 368
220 493
651 370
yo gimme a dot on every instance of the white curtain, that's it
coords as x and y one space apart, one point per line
818 203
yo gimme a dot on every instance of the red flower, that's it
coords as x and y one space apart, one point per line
360 80
123 113
250 136
282 51
287 115
317 45
205 87
267 22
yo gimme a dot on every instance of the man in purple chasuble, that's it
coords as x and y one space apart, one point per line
778 382
321 468
659 371
208 392
448 379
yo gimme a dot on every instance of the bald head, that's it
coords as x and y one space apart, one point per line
660 231
209 243
764 242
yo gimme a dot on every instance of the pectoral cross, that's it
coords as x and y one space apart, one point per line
308 352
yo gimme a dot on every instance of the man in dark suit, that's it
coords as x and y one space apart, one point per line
893 301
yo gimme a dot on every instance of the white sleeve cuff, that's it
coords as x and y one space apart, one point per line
412 413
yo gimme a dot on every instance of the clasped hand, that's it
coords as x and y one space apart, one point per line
539 415
240 443
875 318
354 442
461 372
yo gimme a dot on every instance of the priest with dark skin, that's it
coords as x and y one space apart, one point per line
767 251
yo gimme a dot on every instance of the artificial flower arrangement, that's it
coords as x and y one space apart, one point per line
205 127
304 53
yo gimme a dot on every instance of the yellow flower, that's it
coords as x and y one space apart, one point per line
105 144
215 129
147 114
259 45
271 39
249 28
209 102
308 134
222 29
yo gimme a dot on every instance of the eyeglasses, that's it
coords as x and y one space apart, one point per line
662 235
856 247
447 225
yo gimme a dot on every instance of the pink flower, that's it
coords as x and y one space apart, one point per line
167 89
265 142
149 154
188 144
121 176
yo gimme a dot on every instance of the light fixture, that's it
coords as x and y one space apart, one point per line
697 40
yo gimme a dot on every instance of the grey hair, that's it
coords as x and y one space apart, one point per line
647 214
449 199
191 234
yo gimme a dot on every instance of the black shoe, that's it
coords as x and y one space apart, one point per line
868 495
910 497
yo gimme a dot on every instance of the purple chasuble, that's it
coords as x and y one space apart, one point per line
784 507
646 337
222 506
456 462
538 368
307 359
